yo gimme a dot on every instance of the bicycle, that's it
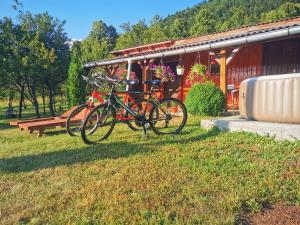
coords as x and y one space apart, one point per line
73 125
167 116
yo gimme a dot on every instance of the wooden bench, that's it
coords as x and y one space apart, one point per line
40 126
64 115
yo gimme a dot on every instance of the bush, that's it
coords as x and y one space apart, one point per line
76 85
205 99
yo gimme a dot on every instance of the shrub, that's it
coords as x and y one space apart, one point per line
205 99
76 85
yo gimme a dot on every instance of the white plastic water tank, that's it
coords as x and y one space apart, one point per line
274 98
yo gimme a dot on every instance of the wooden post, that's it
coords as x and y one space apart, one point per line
145 66
223 75
111 70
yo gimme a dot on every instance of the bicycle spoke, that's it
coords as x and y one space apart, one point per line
170 118
98 125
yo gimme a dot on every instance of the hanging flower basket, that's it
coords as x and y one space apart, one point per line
163 72
198 71
180 67
180 70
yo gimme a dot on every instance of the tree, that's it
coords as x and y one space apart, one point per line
286 10
48 32
75 84
178 29
155 32
12 59
204 23
132 36
99 43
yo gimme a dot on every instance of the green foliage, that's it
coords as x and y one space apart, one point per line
99 43
204 23
155 33
197 71
178 29
133 35
205 99
206 17
76 85
46 59
286 10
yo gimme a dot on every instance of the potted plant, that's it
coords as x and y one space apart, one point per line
198 70
163 72
180 67
180 70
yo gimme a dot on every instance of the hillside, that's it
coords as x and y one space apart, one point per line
206 17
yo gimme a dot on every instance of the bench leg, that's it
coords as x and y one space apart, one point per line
40 133
30 131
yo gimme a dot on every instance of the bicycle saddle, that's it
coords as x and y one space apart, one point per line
130 82
152 82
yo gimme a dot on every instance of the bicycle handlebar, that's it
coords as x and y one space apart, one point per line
103 77
90 81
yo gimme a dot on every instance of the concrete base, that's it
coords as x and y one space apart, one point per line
280 131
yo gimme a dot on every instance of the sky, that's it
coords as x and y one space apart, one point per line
80 14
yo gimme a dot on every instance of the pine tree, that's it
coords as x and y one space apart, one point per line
76 86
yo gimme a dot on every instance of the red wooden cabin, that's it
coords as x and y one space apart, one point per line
231 56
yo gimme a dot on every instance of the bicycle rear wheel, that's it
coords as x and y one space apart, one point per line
98 124
168 117
143 108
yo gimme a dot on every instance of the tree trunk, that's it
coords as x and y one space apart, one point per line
43 97
24 104
61 102
51 103
36 108
21 100
32 93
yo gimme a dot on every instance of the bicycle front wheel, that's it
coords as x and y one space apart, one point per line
76 118
168 117
98 124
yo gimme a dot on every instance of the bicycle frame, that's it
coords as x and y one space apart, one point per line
115 101
128 100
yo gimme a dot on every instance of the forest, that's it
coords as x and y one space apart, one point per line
39 66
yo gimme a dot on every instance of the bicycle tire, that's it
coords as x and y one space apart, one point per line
154 119
134 124
77 110
86 136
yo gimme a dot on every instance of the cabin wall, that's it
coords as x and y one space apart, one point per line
245 64
281 57
270 58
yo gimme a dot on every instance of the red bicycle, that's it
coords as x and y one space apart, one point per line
137 104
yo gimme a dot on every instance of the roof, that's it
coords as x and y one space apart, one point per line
214 38
142 48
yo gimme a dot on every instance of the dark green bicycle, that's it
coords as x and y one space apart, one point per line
167 116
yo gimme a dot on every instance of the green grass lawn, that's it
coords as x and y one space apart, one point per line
197 177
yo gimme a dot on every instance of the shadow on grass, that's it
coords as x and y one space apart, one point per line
73 156
5 125
200 137
102 151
